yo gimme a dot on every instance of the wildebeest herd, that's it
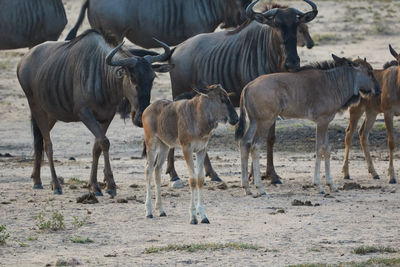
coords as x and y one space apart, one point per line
253 64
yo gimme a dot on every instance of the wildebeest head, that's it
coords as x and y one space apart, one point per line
221 107
138 74
365 81
235 12
285 21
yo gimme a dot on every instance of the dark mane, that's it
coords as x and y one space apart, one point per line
390 64
323 65
265 8
81 36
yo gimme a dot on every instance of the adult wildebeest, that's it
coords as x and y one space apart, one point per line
316 93
172 21
82 80
26 23
189 124
387 103
266 43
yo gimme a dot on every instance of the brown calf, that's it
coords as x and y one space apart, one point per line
316 93
389 104
188 123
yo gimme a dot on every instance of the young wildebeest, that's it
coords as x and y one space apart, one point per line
388 103
316 93
83 80
266 43
26 23
188 123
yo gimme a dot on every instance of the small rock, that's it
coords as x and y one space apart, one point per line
72 186
122 200
72 158
74 262
133 186
222 186
113 254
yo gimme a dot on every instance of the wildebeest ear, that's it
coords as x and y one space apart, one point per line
200 90
309 16
162 67
339 60
120 72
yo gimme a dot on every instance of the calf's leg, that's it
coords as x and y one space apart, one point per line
270 173
161 156
355 115
193 181
364 134
151 155
245 145
200 182
391 144
319 150
327 157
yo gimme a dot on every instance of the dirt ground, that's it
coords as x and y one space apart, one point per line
267 231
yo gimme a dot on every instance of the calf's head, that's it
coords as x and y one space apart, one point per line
218 104
365 81
286 22
138 74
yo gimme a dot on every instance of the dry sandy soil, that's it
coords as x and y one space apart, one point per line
282 234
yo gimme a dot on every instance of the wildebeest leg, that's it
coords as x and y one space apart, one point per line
327 157
244 147
162 155
96 152
364 135
210 171
175 181
102 141
355 115
45 124
322 128
262 128
151 156
200 182
270 173
391 144
188 155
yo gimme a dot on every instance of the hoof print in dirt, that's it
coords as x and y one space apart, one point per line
307 203
89 198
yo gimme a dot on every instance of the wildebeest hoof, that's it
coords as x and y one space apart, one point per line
276 181
176 184
149 216
194 221
58 191
37 186
205 220
112 192
216 179
98 193
175 178
163 214
376 177
392 181
347 177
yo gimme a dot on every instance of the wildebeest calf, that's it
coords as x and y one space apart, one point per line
188 123
316 93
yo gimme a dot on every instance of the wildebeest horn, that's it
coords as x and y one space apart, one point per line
393 52
250 12
122 62
162 57
309 16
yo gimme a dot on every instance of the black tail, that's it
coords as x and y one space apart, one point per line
170 54
242 119
37 137
72 33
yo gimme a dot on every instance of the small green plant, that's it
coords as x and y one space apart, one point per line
80 240
328 38
32 238
55 223
371 262
203 246
363 250
75 181
4 235
23 245
77 223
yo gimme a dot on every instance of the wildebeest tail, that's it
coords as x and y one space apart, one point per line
37 137
242 119
170 54
72 33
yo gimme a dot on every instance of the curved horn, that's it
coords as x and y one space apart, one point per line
162 57
393 52
270 13
312 4
249 10
122 62
310 15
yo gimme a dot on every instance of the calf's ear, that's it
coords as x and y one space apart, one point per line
162 67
